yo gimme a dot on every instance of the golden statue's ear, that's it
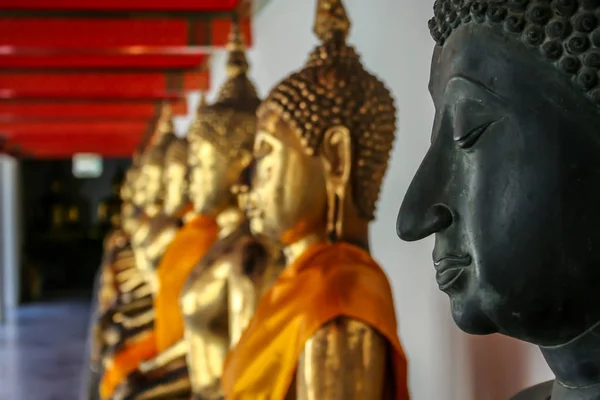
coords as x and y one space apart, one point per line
336 155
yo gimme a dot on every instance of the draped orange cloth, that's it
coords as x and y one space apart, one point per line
326 282
125 362
188 247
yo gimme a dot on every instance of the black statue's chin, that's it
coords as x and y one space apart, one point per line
468 315
465 302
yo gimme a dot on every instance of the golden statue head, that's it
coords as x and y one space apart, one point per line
148 187
126 189
175 176
221 138
129 218
323 142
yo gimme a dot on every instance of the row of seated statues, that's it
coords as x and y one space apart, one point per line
241 268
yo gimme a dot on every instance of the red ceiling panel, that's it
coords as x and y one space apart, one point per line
54 153
78 140
125 150
92 33
220 29
136 81
57 132
83 82
76 111
147 58
111 33
106 146
199 80
58 95
202 6
84 111
108 95
98 86
64 140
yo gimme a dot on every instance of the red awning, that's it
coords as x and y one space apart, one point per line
90 75
100 86
58 140
190 6
111 33
130 58
84 111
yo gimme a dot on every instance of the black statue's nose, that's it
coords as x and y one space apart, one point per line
413 225
424 211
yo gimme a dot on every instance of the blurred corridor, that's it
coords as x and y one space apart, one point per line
42 351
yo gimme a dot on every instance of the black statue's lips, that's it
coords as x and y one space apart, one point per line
449 269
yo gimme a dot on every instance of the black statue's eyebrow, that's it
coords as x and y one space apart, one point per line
475 83
434 72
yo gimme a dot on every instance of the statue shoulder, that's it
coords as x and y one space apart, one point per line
542 391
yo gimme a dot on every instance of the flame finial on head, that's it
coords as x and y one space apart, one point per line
164 125
203 102
237 63
230 122
331 20
165 120
236 41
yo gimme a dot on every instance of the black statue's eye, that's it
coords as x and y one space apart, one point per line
472 117
468 139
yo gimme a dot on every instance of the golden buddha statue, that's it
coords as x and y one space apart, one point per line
220 149
326 329
114 242
221 290
116 270
123 286
246 286
156 229
128 280
130 292
130 212
109 209
136 339
166 376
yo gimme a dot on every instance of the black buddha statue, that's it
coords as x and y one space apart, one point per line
510 186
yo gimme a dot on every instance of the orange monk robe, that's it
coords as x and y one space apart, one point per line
188 247
326 282
126 361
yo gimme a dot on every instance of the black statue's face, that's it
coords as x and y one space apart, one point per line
511 189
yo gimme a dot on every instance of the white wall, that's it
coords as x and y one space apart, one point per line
393 38
9 232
